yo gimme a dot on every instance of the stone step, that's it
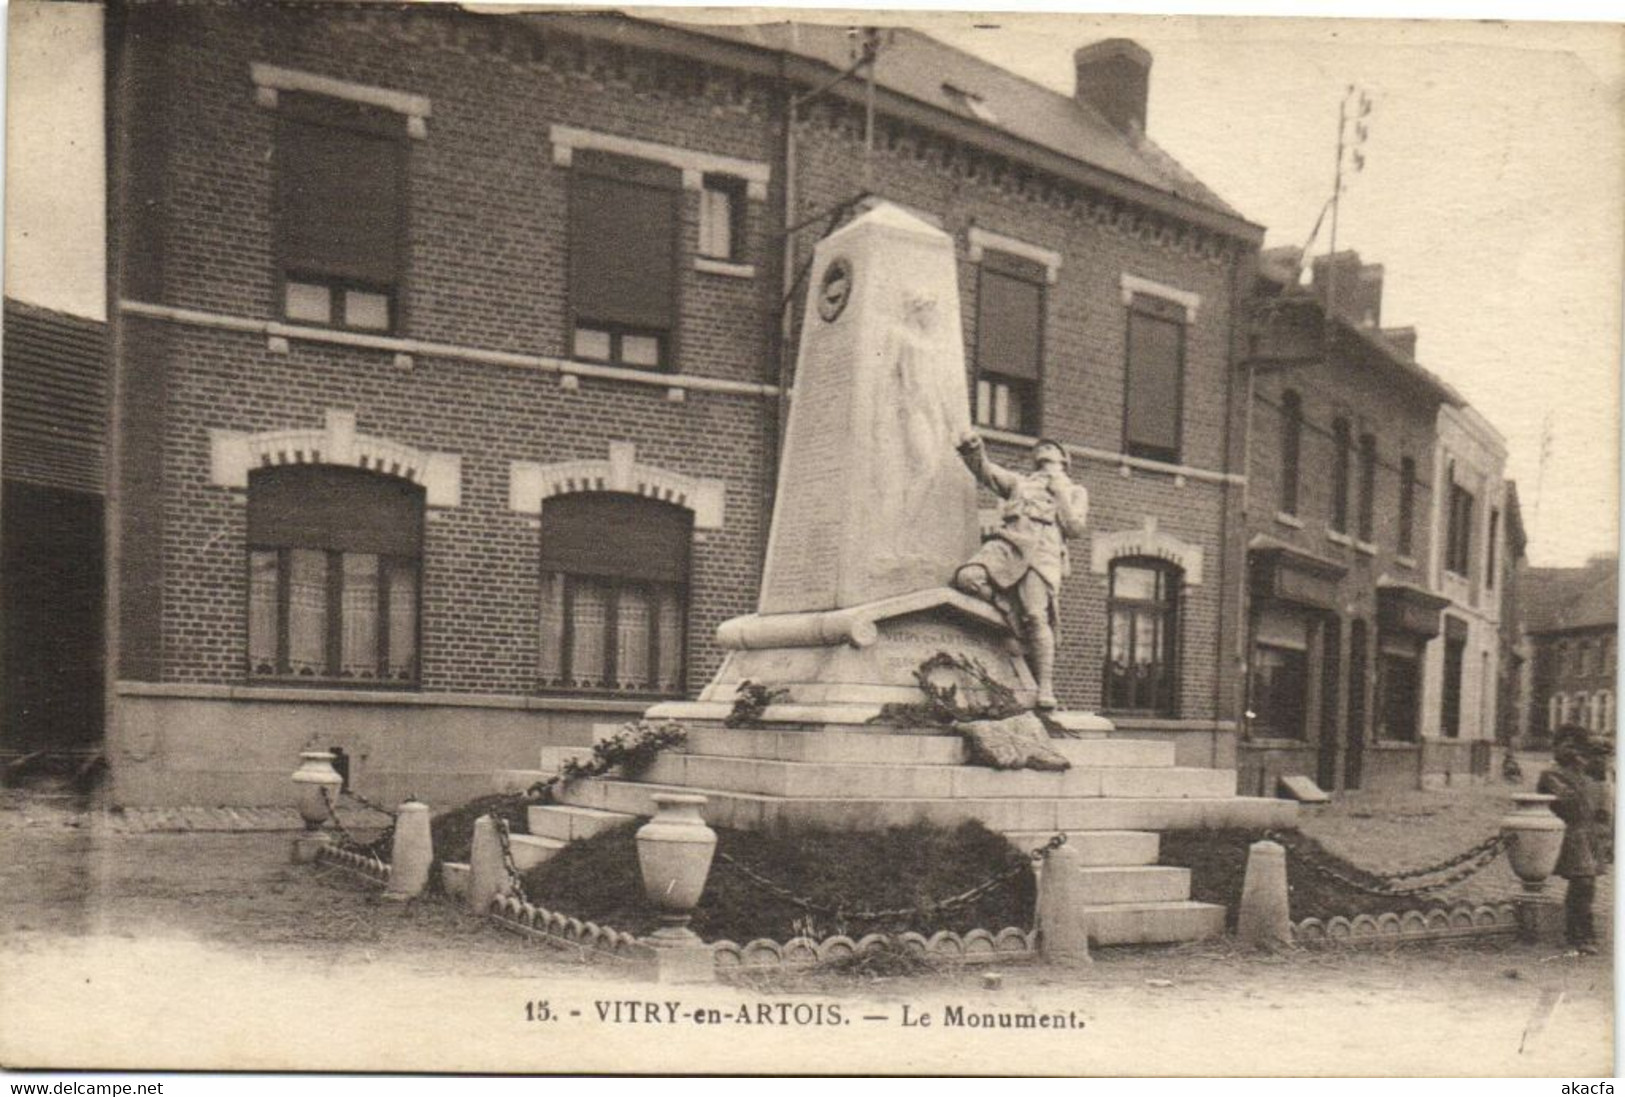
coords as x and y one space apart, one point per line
553 758
855 781
1098 847
1104 885
881 748
567 823
530 850
845 716
753 811
1153 923
507 781
454 878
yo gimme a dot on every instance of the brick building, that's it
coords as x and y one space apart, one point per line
51 575
1342 482
1571 620
447 393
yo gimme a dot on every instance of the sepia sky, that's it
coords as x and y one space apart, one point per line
1494 193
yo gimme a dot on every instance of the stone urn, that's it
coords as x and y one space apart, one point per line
314 776
1534 838
674 854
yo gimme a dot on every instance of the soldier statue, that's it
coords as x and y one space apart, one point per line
1019 568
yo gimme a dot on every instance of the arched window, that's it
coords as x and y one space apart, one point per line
1605 712
333 559
1554 712
1142 642
1341 441
1574 709
1291 445
614 610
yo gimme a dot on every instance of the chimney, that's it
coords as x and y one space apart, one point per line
1358 287
1403 340
1114 77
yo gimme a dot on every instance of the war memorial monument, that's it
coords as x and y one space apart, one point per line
872 561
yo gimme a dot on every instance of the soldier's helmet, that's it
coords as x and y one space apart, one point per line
1050 443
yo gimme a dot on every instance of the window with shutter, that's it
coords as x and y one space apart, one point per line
333 564
1340 475
1291 444
341 172
1407 505
1009 342
1368 486
614 594
623 259
1154 379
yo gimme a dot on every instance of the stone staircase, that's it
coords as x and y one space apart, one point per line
1112 804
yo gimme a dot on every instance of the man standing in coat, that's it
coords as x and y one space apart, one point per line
1579 805
1020 567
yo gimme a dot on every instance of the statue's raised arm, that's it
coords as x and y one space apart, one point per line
996 478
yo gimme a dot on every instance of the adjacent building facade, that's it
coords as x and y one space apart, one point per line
1460 690
447 395
1571 620
51 511
1345 479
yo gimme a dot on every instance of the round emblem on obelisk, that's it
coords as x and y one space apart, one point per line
835 289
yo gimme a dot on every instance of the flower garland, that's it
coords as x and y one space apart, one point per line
750 702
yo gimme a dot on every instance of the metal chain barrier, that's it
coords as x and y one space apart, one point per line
1467 863
964 898
366 803
515 880
349 841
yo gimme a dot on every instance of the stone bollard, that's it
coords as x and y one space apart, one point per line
487 876
411 853
1063 929
1265 920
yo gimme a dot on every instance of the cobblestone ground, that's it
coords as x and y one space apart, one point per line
189 948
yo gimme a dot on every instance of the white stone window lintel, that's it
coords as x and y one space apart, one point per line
270 79
1106 548
694 165
234 454
531 483
1132 284
983 240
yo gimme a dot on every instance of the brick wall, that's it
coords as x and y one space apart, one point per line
1403 426
487 268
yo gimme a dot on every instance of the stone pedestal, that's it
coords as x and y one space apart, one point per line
307 847
411 853
675 962
487 876
1265 920
1063 925
1540 918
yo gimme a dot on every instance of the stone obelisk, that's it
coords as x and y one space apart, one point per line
873 501
874 509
